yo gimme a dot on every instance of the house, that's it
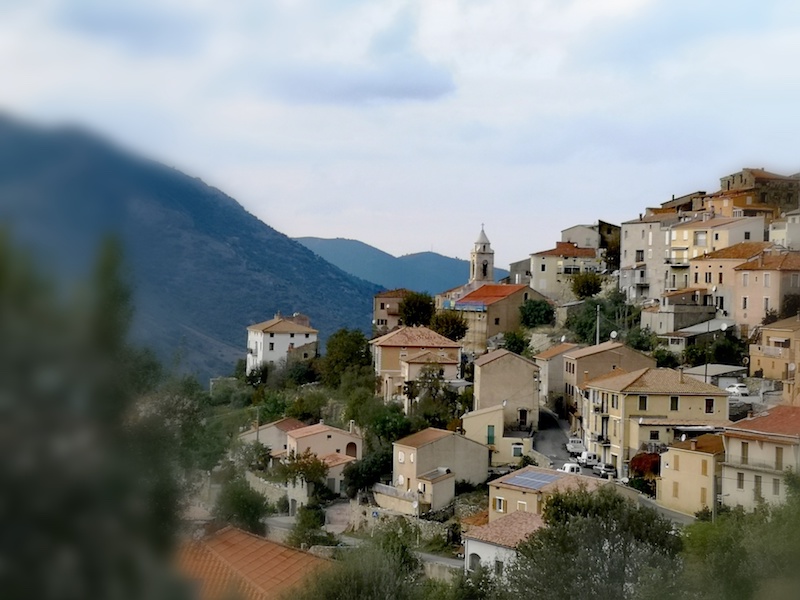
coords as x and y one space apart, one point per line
273 435
758 452
494 545
425 468
401 344
551 371
551 269
716 374
678 309
786 231
597 235
232 563
754 192
280 339
528 489
776 356
333 446
690 474
645 409
507 443
489 310
508 379
412 367
386 310
583 364
762 284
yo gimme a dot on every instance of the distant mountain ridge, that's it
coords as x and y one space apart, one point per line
423 272
203 268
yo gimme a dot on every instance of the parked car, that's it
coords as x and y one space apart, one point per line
738 389
573 468
575 446
606 470
588 459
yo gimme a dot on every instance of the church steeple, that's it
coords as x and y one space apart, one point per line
481 261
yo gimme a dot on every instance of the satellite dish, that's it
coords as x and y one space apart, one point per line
713 289
415 505
505 403
792 366
614 335
746 361
723 327
683 437
563 338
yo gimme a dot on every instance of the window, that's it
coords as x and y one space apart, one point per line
708 277
709 406
776 487
720 278
498 568
500 504
674 402
614 401
745 453
654 435
308 335
744 302
766 279
522 506
779 459
271 335
291 335
490 434
401 457
497 321
745 279
642 402
676 462
271 346
640 255
740 481
516 450
411 457
674 489
747 235
696 277
474 561
544 267
383 305
703 496
795 280
757 486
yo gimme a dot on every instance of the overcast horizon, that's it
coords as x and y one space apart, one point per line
406 125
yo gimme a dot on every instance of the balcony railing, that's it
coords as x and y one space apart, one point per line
772 351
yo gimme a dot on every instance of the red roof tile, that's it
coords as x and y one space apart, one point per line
554 351
788 261
781 420
508 531
491 293
742 250
708 443
568 249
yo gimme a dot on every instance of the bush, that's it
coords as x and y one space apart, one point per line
242 506
537 312
307 530
282 506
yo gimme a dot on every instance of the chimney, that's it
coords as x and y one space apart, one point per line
760 259
352 425
749 414
322 421
680 374
693 444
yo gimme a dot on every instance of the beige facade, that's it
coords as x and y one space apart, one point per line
690 474
587 363
389 350
488 426
386 310
273 435
622 409
551 269
762 284
678 310
323 440
758 452
551 372
426 465
508 379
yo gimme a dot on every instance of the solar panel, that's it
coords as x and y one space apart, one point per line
532 481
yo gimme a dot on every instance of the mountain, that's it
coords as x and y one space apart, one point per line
202 267
422 272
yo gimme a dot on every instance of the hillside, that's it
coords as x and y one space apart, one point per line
423 271
203 268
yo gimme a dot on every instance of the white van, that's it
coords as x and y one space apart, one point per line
571 468
588 459
575 446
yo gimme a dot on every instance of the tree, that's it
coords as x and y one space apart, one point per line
586 284
770 316
790 306
665 358
450 324
362 474
641 339
537 312
515 341
416 308
307 467
346 349
242 506
307 530
308 405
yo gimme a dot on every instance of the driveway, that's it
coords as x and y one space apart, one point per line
551 438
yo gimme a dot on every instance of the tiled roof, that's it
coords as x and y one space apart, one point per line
654 217
711 223
742 251
286 424
232 563
491 293
590 350
682 292
335 459
554 351
790 324
762 174
500 353
507 531
424 437
280 325
568 249
428 357
656 381
414 337
398 293
788 261
782 420
596 381
316 429
708 443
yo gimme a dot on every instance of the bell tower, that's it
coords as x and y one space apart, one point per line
481 262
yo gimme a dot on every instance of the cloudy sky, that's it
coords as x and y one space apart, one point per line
407 124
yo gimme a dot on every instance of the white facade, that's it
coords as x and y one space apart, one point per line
495 559
277 339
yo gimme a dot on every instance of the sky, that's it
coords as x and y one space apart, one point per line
409 124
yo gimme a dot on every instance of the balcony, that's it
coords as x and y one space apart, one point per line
603 440
772 352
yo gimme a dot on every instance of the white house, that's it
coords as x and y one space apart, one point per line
494 545
280 338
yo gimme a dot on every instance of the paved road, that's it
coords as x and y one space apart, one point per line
551 438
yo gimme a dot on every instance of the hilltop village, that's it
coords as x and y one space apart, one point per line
643 372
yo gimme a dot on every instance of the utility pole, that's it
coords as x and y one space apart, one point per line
597 327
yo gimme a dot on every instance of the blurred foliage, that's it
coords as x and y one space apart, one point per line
241 506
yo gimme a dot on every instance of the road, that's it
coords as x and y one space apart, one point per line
552 437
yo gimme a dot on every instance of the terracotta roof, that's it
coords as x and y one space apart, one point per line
568 249
742 251
711 223
280 325
424 437
500 353
335 459
590 350
652 380
398 293
414 337
708 443
612 373
491 293
233 563
428 357
788 261
286 424
781 420
684 291
554 351
507 531
318 428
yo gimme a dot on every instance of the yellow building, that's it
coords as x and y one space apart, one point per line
690 472
640 410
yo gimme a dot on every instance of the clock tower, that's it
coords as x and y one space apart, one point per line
481 263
